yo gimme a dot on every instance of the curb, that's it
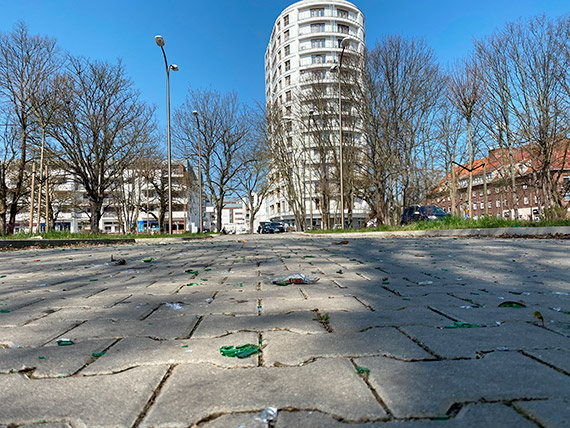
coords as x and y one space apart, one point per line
503 232
50 243
16 244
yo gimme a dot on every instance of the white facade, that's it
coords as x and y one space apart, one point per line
235 217
69 202
306 42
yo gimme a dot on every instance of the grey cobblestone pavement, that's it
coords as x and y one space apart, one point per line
398 332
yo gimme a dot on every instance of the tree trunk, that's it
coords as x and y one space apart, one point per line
470 144
219 208
95 216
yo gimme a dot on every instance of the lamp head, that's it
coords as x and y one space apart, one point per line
195 113
159 40
345 42
174 67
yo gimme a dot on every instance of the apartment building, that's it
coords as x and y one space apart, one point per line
492 181
133 204
303 57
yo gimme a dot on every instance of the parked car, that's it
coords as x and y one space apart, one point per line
422 212
273 227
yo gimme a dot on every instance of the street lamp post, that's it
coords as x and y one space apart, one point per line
160 42
195 113
343 44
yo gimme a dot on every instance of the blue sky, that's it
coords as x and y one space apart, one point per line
220 44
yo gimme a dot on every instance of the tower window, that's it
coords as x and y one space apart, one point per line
317 28
317 43
317 12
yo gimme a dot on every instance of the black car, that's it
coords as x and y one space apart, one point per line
422 212
273 228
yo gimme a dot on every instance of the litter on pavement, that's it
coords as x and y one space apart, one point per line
512 305
242 351
296 278
462 325
268 416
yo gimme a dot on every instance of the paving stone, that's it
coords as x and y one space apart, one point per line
21 316
34 335
51 361
221 325
286 348
43 424
139 292
79 400
133 352
244 420
553 413
164 328
283 306
559 358
468 342
197 391
432 387
358 321
480 415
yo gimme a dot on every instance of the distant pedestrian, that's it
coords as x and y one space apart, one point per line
259 229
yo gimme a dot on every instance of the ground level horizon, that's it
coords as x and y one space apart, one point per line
397 332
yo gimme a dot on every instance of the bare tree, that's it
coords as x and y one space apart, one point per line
45 102
526 75
465 93
253 185
26 62
320 157
9 157
100 128
449 149
220 130
401 90
287 161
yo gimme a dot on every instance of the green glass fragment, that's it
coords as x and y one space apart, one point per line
98 354
148 260
4 311
512 305
242 351
462 325
441 418
362 370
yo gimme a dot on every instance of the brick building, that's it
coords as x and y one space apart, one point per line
492 181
